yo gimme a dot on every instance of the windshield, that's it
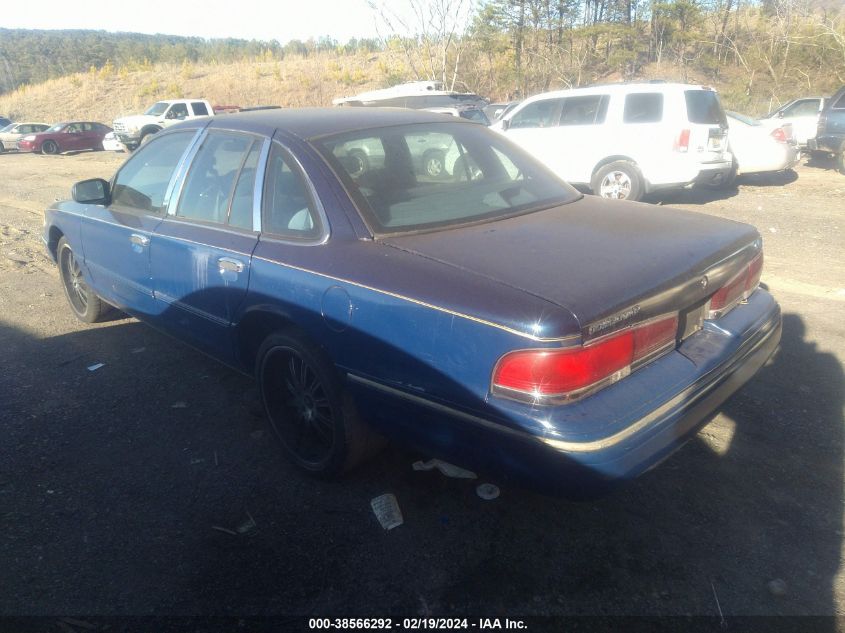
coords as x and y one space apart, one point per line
436 175
8 128
157 109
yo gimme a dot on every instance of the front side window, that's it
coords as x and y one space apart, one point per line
585 110
644 107
840 103
141 183
480 177
288 209
543 113
210 185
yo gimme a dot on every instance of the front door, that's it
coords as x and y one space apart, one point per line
116 238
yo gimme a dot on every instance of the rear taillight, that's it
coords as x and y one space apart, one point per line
779 135
560 375
682 142
739 288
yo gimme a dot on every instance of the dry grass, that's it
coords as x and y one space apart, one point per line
107 93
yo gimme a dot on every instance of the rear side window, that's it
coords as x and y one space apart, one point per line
643 107
703 106
288 207
141 183
199 108
545 113
211 181
586 110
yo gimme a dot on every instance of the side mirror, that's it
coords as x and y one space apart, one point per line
506 123
780 114
93 191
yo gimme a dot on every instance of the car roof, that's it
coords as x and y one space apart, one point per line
308 123
620 88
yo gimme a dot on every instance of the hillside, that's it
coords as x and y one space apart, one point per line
104 94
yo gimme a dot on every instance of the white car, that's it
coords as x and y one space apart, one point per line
112 144
756 148
625 140
803 114
12 133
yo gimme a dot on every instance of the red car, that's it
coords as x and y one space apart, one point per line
66 137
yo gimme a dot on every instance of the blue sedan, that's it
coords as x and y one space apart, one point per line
487 314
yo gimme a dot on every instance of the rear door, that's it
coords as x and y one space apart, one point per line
201 253
116 238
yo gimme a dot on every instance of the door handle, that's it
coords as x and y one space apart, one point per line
227 264
139 240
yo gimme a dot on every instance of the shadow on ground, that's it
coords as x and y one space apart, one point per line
148 487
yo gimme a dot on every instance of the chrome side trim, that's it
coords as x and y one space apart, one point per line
701 388
441 408
258 187
572 339
188 308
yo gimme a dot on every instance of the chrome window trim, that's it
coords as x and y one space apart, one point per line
175 192
258 186
318 207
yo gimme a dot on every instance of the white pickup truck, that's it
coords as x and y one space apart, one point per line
131 130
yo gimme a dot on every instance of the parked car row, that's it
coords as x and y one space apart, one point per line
61 137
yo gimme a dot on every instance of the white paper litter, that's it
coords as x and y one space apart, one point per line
450 470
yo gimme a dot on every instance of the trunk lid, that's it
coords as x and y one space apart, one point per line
598 258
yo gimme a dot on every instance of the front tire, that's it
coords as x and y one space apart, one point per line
619 180
50 147
311 415
85 304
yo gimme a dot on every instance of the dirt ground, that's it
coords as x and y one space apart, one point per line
151 487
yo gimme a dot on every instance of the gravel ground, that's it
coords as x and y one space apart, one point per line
152 487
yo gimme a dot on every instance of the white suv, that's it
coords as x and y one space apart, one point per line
625 140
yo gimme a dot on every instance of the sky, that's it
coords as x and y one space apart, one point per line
282 20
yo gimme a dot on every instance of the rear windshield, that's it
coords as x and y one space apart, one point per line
435 175
744 119
703 106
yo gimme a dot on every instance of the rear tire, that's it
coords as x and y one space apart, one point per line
85 304
50 147
310 413
839 161
619 180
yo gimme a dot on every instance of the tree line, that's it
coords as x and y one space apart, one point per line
759 53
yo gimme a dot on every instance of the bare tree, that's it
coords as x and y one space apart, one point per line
430 33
